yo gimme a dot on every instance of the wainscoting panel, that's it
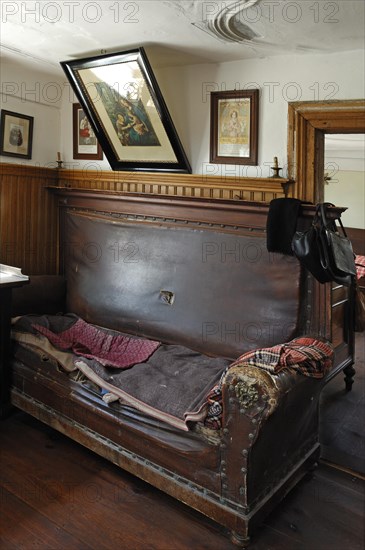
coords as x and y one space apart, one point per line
28 219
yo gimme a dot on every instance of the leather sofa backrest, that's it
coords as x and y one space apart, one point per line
214 290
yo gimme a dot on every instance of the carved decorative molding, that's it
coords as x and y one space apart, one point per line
185 185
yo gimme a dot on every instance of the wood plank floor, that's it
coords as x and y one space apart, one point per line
342 417
54 495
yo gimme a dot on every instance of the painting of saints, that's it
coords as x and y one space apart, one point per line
128 116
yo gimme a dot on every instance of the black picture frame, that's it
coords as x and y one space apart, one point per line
122 100
234 127
16 134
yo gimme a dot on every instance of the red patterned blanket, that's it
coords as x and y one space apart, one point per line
114 350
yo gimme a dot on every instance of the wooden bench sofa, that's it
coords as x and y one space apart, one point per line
193 273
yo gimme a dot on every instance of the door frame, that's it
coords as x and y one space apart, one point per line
308 122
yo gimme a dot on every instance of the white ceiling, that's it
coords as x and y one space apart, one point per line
176 32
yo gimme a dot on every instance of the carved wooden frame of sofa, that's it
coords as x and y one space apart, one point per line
193 272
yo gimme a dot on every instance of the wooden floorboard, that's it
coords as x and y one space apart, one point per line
342 417
57 495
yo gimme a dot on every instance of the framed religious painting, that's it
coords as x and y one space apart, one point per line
16 135
121 99
234 127
85 144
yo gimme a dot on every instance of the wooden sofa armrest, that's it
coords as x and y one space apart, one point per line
45 294
270 433
256 386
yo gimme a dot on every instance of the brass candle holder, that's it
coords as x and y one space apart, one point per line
59 161
276 169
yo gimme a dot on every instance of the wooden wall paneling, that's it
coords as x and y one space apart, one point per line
28 220
357 237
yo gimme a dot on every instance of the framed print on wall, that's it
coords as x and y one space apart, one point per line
16 135
234 127
85 144
122 100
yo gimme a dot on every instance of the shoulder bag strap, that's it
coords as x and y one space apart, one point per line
330 224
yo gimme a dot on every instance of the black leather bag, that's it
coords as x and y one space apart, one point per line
324 250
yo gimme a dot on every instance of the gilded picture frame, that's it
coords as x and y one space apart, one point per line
234 127
121 98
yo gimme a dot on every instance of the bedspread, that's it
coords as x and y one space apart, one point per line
172 383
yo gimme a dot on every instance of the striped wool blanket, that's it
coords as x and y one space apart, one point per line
305 355
308 356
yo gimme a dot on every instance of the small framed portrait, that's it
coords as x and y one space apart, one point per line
16 134
234 127
85 143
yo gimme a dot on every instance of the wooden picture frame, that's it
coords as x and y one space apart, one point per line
234 127
16 134
127 112
85 143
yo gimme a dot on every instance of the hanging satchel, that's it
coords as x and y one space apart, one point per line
324 251
338 256
306 246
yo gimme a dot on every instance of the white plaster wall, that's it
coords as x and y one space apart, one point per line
186 91
37 94
347 188
345 167
280 79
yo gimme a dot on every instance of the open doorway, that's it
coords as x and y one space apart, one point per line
342 431
344 176
308 124
344 182
342 428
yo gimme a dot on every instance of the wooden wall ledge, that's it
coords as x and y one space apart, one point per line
188 185
191 185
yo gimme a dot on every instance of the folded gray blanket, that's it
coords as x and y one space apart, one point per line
171 384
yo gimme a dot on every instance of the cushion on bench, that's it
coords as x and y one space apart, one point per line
169 382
